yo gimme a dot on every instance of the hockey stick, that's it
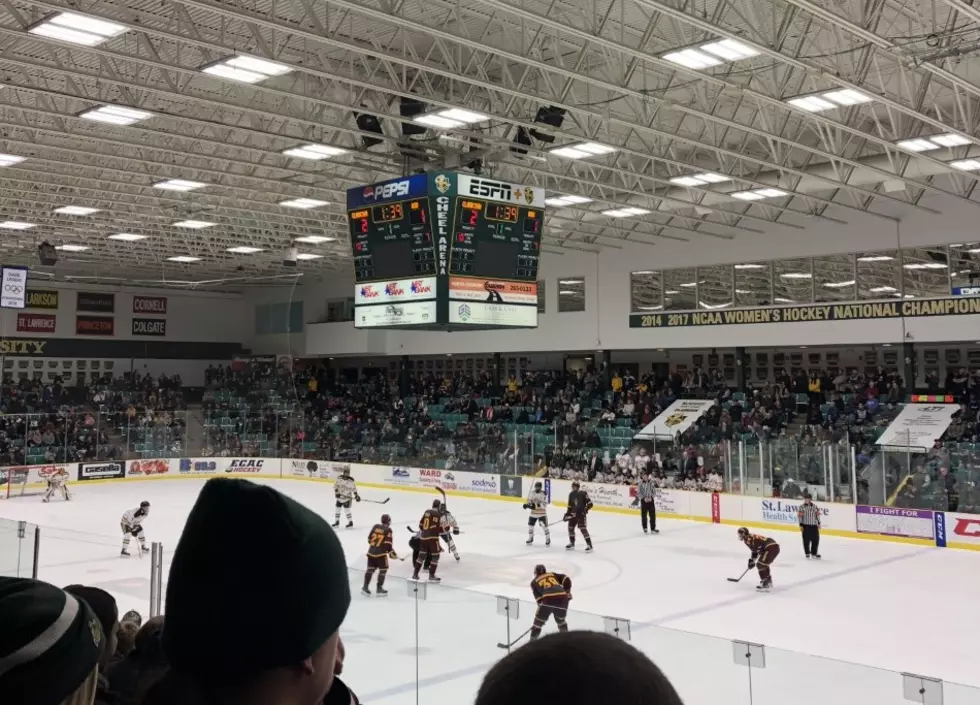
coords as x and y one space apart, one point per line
374 501
502 645
443 493
739 578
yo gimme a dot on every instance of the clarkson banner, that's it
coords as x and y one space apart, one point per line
814 312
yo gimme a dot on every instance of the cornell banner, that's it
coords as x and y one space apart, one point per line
815 312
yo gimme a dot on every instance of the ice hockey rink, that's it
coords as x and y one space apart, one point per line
890 607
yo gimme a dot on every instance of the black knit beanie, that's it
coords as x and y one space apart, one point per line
257 581
50 642
101 602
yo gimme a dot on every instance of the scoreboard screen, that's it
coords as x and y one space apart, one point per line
445 250
391 230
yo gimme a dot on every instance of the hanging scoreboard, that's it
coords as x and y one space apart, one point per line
445 251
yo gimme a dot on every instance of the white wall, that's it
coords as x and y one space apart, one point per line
293 344
191 316
605 322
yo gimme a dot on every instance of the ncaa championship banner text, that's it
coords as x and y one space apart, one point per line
815 312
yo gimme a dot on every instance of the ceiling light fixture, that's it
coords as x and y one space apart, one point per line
71 248
179 185
193 224
76 210
625 212
115 115
828 100
305 256
839 285
796 275
711 54
450 118
882 289
16 225
315 239
934 142
127 237
302 203
246 69
566 201
701 179
924 265
875 258
244 250
10 159
758 194
314 152
77 29
750 266
184 259
582 150
966 164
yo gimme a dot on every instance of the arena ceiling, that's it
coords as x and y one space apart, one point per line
707 117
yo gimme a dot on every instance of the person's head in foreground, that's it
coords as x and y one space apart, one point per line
580 668
50 645
257 592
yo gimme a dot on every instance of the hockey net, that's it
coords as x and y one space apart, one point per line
27 480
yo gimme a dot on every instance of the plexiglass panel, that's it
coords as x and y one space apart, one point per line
793 281
753 284
680 289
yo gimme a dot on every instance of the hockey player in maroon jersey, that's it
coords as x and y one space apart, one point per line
551 591
380 548
764 552
430 529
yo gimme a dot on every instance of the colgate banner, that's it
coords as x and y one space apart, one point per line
395 291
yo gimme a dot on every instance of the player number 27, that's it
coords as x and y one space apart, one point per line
377 538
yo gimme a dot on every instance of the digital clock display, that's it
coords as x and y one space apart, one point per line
387 213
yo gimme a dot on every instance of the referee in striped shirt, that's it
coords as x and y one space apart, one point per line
809 518
646 493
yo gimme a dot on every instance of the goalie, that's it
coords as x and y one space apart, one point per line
132 525
57 482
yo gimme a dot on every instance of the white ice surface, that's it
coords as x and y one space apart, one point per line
890 607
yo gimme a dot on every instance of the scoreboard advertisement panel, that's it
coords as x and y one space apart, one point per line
470 244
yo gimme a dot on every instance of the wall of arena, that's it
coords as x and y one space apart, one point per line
915 526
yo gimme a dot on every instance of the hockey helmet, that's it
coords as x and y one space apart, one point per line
539 569
145 507
538 485
436 504
575 485
742 533
385 519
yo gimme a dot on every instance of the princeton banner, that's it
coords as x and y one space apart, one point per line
814 312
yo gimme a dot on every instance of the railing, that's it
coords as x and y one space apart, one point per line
943 479
439 640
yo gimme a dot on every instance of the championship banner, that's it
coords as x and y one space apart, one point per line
42 298
918 426
676 418
803 314
149 326
13 288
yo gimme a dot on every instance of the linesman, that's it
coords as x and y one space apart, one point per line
809 518
646 495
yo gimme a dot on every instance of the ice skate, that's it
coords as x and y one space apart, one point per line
529 541
124 552
381 592
547 542
570 547
366 591
817 555
588 549
336 524
144 549
765 585
350 525
434 579
456 556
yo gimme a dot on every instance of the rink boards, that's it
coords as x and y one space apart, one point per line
915 526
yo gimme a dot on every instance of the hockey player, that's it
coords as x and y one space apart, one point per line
56 482
380 549
579 505
430 529
449 529
764 552
537 502
343 489
132 525
551 591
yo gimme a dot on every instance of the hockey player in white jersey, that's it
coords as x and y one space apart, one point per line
344 489
452 529
132 525
537 502
55 483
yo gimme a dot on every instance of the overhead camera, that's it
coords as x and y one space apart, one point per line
292 255
47 254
